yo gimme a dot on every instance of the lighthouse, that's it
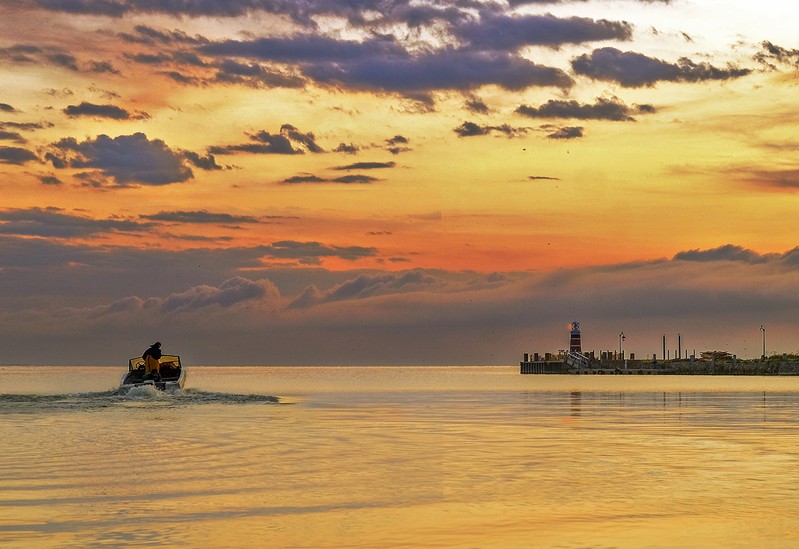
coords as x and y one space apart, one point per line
574 338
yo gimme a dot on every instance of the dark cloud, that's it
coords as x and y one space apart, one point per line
16 155
150 58
50 180
11 136
53 222
308 178
314 252
151 36
471 129
503 32
101 111
26 126
100 67
207 162
728 252
566 132
542 178
635 70
603 109
288 141
5 107
381 64
355 179
254 74
63 60
771 54
398 140
181 78
786 179
200 216
347 148
446 69
397 144
308 48
231 292
128 159
476 105
366 166
364 286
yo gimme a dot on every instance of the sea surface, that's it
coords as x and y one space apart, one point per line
389 457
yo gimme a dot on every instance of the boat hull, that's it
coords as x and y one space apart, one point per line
172 380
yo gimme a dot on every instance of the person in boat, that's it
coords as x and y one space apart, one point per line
152 366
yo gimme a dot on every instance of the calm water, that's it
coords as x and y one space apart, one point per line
398 458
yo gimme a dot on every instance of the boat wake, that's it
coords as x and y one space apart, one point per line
21 403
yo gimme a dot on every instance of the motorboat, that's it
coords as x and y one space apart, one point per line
172 378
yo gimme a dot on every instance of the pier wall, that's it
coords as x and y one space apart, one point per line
769 367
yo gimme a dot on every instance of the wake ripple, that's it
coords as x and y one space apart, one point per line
10 403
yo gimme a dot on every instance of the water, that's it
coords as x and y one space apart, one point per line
398 458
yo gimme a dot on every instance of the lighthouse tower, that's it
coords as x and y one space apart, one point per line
574 338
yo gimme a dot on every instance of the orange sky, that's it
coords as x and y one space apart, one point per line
304 147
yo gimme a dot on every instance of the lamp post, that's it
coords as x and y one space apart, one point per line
622 337
763 329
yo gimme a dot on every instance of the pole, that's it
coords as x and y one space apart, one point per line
664 346
763 329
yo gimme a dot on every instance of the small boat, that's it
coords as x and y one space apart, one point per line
173 375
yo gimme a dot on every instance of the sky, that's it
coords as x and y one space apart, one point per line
405 182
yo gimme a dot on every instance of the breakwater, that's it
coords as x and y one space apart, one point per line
787 365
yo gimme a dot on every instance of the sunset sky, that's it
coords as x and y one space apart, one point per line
397 181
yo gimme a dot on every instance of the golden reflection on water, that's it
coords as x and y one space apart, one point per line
405 458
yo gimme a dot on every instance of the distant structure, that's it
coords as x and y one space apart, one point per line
575 345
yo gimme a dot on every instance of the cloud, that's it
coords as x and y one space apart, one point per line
471 129
727 252
207 162
382 64
307 178
542 178
602 109
366 166
503 32
11 136
289 141
53 222
231 292
144 34
771 53
16 155
50 180
717 298
100 67
397 144
256 75
5 107
313 252
128 159
200 216
355 179
635 70
566 132
100 111
476 105
308 48
447 69
364 286
347 148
